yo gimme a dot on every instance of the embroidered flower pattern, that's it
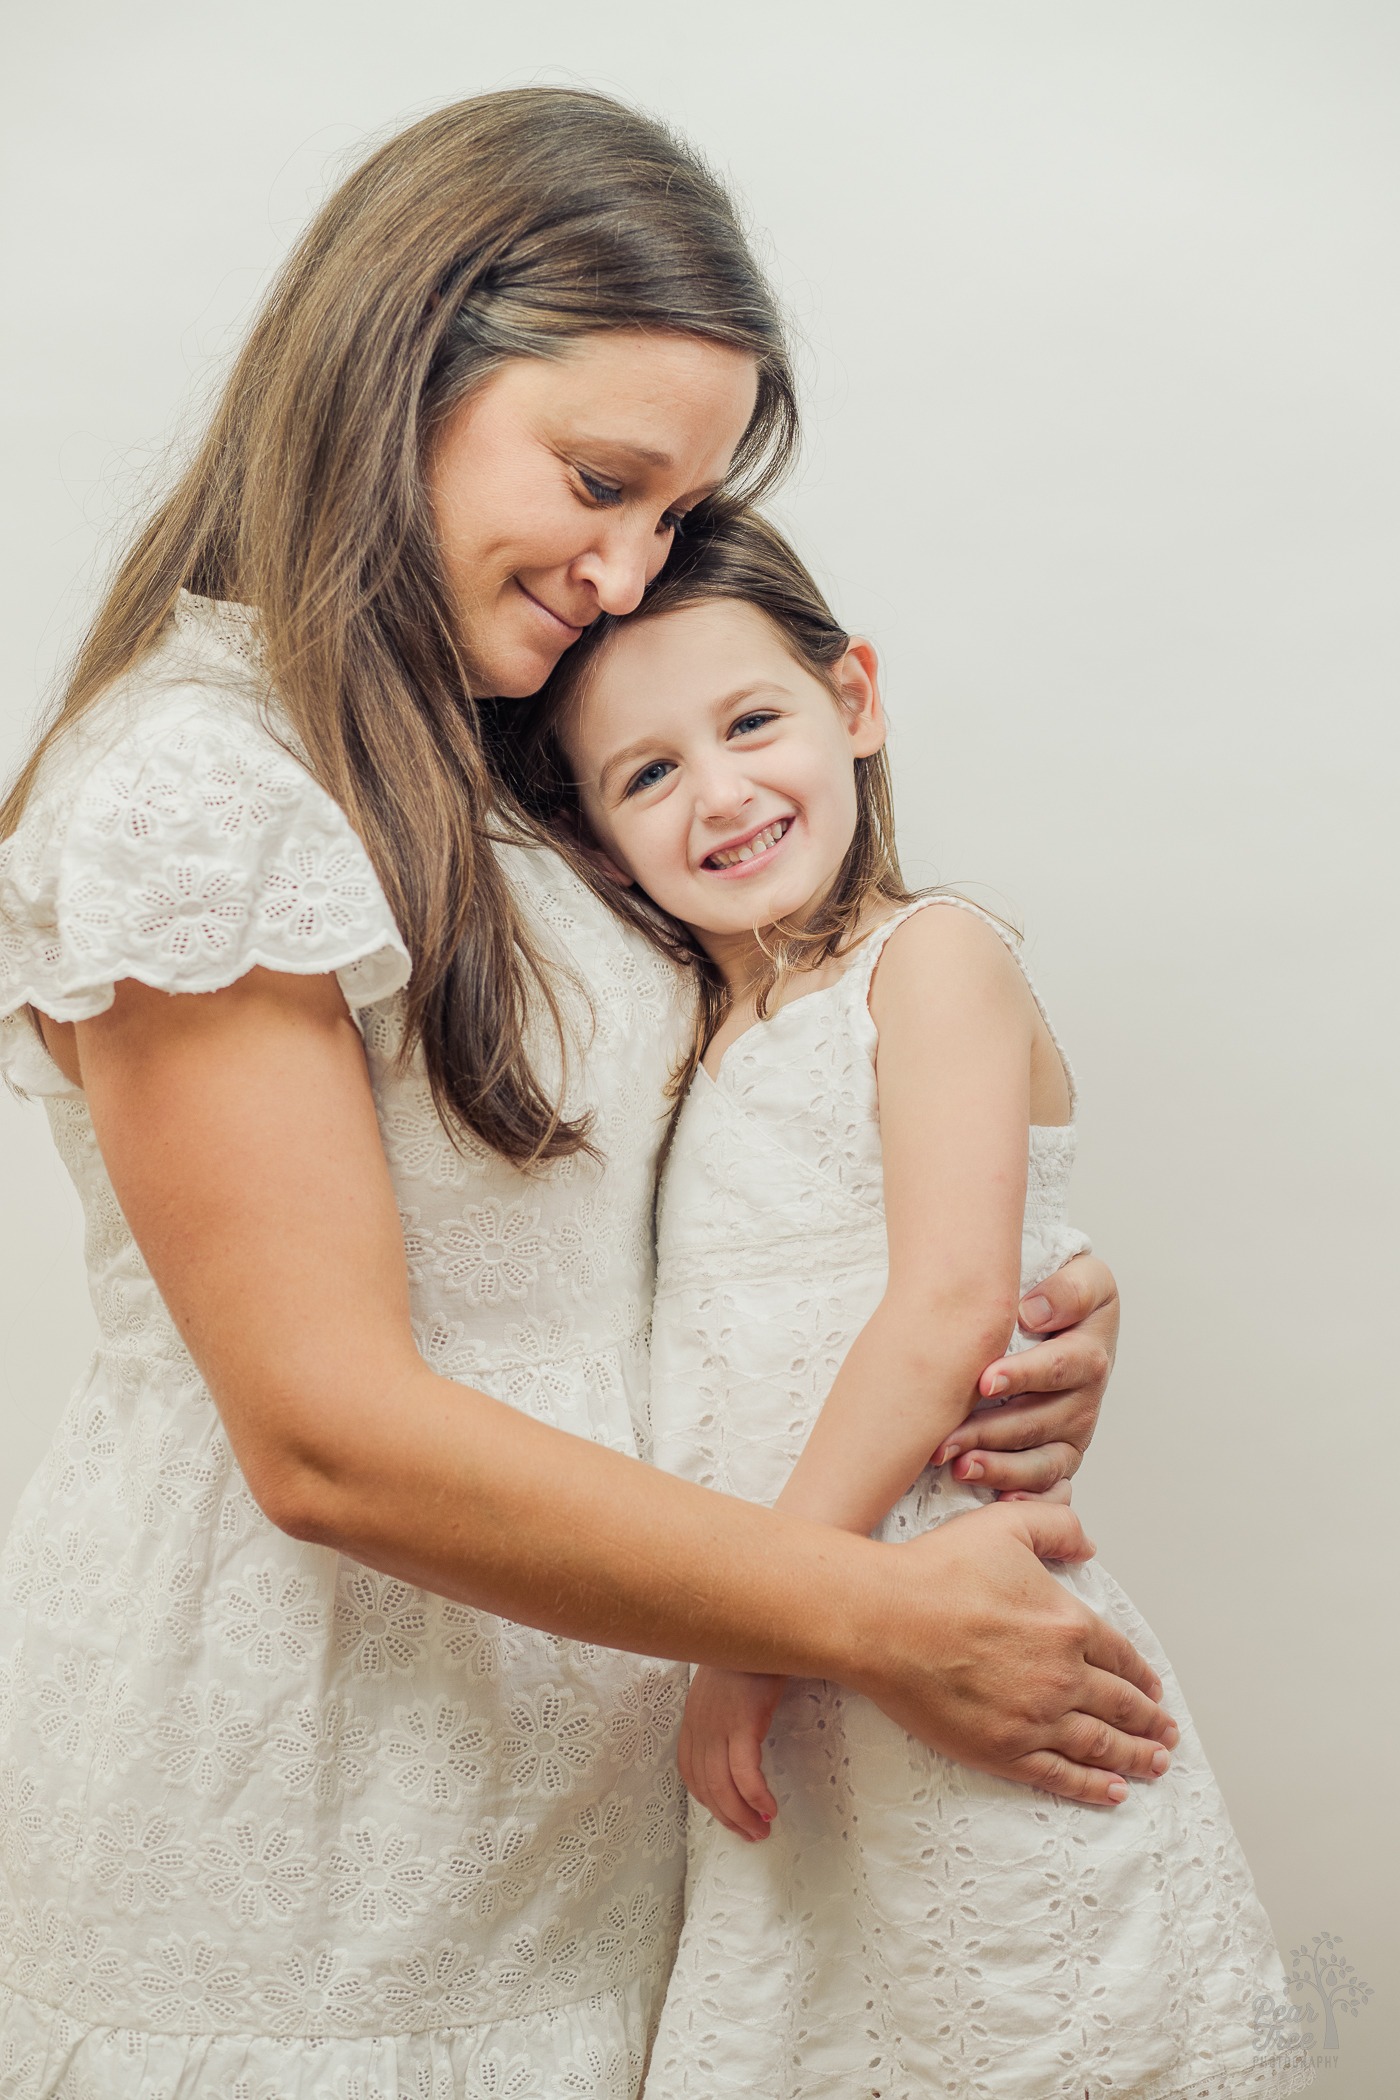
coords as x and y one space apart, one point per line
316 890
135 804
644 1725
492 1252
485 1645
55 1958
317 1990
191 1984
553 1739
242 794
492 1869
205 1740
435 1753
269 1618
438 1988
194 910
257 1871
591 1851
321 1751
376 1877
136 1856
70 1702
378 1622
69 1572
21 1818
540 1963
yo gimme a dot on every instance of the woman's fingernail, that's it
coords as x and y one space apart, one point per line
1035 1312
1117 1791
974 1471
997 1385
1161 1762
1172 1735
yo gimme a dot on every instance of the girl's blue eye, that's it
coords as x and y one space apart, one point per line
649 775
753 721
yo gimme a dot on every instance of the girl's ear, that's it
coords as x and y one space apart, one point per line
858 683
569 825
606 867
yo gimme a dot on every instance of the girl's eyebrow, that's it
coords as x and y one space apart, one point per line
630 753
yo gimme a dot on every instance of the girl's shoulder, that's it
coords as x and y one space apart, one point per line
968 950
174 835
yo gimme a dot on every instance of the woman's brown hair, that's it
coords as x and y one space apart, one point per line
732 554
506 226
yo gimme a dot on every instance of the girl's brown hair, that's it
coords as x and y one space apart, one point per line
732 554
506 226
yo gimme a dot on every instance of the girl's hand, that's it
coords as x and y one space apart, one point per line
727 1716
1051 1393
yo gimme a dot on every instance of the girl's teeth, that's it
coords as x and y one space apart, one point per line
761 844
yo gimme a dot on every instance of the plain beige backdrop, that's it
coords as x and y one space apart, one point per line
1101 339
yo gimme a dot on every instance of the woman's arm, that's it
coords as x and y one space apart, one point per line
956 1034
240 1134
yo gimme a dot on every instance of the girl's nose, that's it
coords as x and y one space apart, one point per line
620 566
721 791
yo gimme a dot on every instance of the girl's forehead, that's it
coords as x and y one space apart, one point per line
687 654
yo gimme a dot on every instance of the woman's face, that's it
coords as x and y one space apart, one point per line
557 485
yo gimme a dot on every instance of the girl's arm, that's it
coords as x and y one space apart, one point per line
958 1031
240 1134
960 1041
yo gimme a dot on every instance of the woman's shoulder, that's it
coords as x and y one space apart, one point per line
190 706
174 835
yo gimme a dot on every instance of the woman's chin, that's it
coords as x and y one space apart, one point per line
515 673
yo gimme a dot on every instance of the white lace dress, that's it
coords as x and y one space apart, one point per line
275 1826
909 1928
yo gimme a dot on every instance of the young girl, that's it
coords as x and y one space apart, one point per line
868 1169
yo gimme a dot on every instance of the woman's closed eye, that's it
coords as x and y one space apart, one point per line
605 495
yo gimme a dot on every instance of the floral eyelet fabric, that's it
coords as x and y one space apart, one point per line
275 1825
910 1927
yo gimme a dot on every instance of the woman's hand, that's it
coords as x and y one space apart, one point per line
1014 1675
727 1716
1051 1394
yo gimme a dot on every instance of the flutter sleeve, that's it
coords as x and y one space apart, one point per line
182 845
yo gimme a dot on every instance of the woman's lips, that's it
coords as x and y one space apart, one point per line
561 626
759 859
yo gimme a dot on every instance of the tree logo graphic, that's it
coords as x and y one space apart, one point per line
1322 1984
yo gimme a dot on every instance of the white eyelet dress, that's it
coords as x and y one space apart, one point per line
909 1927
276 1826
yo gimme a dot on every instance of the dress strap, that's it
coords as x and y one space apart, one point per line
866 954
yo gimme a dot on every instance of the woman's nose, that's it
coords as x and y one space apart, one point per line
619 567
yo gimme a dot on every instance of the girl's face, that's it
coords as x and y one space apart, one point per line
716 771
556 487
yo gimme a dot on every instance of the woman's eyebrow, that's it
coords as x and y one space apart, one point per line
623 448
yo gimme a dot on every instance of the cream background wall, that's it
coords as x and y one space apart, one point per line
1101 326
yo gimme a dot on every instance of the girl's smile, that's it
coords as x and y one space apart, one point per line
755 850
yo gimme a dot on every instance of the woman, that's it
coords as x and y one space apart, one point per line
292 1810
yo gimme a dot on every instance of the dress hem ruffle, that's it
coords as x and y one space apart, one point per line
594 2047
